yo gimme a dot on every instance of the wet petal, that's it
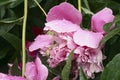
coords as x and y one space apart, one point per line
100 19
64 11
87 38
61 26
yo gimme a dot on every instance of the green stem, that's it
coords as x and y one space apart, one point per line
24 37
86 4
40 7
79 5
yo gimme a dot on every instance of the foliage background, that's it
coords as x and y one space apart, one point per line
11 16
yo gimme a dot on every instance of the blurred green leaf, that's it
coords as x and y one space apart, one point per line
13 40
107 27
82 75
3 52
111 71
4 28
15 3
4 2
66 69
110 35
2 12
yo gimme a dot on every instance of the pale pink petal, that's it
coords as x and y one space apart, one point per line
3 76
7 77
61 26
15 78
42 71
31 71
100 19
41 41
64 11
87 38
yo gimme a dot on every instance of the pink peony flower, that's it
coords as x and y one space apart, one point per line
36 70
64 22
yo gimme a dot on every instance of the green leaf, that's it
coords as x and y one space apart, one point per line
4 2
112 70
4 28
66 69
87 11
107 27
82 75
117 19
15 3
110 35
13 40
3 52
2 12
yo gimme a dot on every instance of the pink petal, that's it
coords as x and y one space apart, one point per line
15 78
100 19
7 77
40 42
31 71
41 69
56 78
87 38
3 76
61 26
64 11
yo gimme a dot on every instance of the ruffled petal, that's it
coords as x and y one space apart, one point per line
100 19
61 26
40 42
64 11
87 38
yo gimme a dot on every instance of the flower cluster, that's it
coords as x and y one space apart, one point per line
65 35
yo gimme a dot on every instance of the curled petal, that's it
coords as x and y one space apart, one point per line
100 19
87 38
61 26
40 42
64 11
